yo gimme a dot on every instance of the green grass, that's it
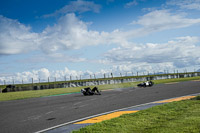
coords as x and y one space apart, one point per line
48 92
36 93
176 80
175 117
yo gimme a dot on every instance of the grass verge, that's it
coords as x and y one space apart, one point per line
58 91
161 81
175 117
49 92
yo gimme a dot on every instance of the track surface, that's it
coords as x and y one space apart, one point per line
31 115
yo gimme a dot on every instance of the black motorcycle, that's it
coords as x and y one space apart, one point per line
88 91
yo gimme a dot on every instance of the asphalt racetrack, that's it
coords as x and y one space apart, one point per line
36 114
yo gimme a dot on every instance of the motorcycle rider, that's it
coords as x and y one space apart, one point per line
88 91
148 83
145 84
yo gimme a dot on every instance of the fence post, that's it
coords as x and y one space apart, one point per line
177 74
32 84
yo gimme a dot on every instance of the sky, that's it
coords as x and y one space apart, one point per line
63 39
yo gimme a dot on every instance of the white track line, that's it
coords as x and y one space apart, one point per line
67 123
77 103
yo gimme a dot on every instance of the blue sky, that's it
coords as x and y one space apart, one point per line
51 38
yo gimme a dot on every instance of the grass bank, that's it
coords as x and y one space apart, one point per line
175 117
48 92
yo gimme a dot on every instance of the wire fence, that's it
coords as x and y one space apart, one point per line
78 83
37 79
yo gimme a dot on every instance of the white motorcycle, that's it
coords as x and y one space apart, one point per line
146 84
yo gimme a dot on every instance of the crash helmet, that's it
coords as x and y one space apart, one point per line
83 90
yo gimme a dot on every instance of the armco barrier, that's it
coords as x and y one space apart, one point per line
12 88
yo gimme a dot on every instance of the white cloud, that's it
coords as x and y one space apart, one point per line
132 3
15 37
71 33
176 54
142 68
154 21
79 6
179 53
68 33
43 75
162 20
185 4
